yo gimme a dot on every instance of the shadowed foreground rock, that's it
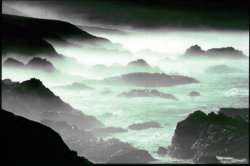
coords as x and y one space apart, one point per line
28 142
210 135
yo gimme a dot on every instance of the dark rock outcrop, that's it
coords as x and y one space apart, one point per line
224 52
228 52
147 93
41 64
139 63
145 125
33 100
194 94
10 62
27 142
194 51
220 69
153 79
210 135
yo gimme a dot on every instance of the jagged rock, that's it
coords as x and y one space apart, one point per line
10 62
145 125
26 142
194 50
219 69
139 63
153 79
33 100
193 94
224 52
229 52
212 134
147 93
162 151
41 64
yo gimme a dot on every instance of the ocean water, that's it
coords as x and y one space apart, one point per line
217 90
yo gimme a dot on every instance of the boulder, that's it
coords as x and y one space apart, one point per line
215 134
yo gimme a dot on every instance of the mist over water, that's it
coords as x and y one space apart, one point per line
162 51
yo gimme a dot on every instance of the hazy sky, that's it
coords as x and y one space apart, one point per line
216 14
163 26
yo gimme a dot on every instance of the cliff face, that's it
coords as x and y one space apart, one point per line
210 135
19 40
33 100
30 37
53 30
29 142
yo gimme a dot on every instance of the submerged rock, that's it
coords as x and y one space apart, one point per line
145 125
219 69
193 94
147 93
211 134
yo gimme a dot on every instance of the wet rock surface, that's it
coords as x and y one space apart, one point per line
210 134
